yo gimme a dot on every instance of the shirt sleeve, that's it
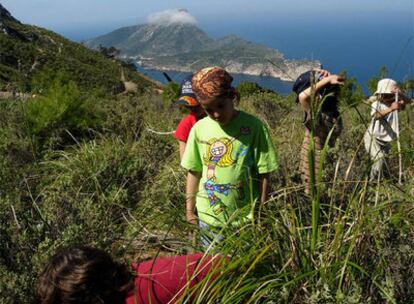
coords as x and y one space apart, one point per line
375 107
192 155
265 154
183 130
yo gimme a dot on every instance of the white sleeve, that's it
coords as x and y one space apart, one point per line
375 107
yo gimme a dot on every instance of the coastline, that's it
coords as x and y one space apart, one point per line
280 86
288 72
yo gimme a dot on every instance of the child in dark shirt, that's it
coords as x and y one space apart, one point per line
317 93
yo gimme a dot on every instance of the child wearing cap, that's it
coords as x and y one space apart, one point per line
229 156
321 87
384 127
189 100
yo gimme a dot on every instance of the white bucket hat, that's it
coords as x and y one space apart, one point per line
386 86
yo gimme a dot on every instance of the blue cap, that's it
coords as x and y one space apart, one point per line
187 96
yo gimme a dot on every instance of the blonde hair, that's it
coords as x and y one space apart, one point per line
226 159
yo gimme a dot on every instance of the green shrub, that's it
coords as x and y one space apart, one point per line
62 112
247 88
171 92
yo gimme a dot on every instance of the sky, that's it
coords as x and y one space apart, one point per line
355 35
92 16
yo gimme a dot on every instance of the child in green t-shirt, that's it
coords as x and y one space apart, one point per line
229 155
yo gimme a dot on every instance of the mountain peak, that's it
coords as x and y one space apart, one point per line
155 39
5 15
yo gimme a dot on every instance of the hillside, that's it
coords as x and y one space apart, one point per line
98 176
185 47
27 52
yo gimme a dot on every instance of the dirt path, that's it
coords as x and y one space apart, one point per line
130 86
9 95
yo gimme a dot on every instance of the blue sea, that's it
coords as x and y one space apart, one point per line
359 44
277 85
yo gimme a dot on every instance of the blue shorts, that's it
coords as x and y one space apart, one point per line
209 234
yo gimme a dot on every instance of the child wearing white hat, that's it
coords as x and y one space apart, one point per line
384 126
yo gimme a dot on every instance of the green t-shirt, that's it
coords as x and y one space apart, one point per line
230 158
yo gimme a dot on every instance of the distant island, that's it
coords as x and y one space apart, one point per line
177 44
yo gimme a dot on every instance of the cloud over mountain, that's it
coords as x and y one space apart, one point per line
172 16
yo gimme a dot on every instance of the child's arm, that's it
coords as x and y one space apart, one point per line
264 187
305 96
382 113
193 179
181 148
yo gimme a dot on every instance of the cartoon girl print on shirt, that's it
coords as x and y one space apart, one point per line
219 153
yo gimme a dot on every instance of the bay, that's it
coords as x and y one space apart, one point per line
274 84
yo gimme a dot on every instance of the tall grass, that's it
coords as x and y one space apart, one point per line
119 187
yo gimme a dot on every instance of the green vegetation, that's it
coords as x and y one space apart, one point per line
80 168
171 92
27 53
246 89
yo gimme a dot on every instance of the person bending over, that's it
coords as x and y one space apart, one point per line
86 275
317 92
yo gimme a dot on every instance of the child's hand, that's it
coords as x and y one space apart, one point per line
395 105
336 79
191 217
323 73
395 90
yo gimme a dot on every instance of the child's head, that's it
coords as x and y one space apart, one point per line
83 275
310 78
188 99
216 95
386 89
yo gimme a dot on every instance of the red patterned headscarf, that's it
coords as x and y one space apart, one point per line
213 82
